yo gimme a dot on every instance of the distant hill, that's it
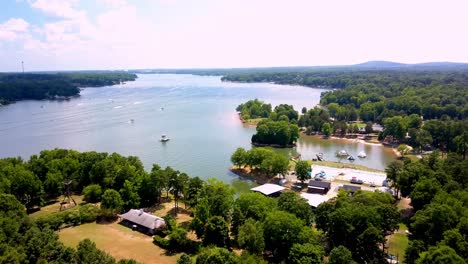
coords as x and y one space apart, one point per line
391 64
380 64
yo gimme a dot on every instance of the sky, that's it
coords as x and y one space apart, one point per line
139 34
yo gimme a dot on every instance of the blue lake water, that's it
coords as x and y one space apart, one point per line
196 112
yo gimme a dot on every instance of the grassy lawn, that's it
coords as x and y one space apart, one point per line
335 164
55 208
252 121
398 242
119 241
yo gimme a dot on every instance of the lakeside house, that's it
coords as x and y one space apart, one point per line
142 221
320 187
268 189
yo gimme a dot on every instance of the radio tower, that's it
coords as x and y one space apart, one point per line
67 198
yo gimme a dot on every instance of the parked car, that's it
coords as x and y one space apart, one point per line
356 180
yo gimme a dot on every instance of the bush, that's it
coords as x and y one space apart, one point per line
92 193
160 241
88 213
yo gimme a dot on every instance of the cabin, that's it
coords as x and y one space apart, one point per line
350 188
268 189
314 200
320 187
143 222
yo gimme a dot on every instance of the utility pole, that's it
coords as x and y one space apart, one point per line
22 65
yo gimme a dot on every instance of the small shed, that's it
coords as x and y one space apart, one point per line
314 200
321 187
145 222
268 189
350 188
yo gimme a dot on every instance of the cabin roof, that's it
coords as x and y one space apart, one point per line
144 219
319 184
268 188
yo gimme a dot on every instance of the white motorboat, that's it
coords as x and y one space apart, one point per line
362 154
342 153
164 138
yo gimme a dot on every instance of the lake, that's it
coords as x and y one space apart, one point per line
196 112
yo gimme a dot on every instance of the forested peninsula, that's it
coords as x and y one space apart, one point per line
38 86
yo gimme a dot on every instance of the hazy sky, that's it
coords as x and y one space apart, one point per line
126 34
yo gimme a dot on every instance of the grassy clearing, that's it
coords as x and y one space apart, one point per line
253 121
119 241
55 207
398 242
335 164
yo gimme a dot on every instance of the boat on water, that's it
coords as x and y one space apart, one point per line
320 157
342 153
362 154
164 138
351 158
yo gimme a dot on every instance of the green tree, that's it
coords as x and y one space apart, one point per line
111 203
281 231
251 205
216 232
440 255
195 186
129 195
216 255
306 254
92 193
369 129
341 255
302 170
293 203
251 237
326 129
88 253
238 158
184 259
424 191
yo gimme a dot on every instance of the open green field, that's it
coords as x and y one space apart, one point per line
119 241
55 207
398 242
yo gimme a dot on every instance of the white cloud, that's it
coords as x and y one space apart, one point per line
58 8
237 33
114 3
13 29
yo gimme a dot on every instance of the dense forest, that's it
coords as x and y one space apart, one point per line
421 108
38 86
346 229
379 94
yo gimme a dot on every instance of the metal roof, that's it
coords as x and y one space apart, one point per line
321 184
314 199
144 219
268 188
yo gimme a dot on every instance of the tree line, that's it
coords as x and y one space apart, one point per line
377 96
346 229
261 160
438 224
39 86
